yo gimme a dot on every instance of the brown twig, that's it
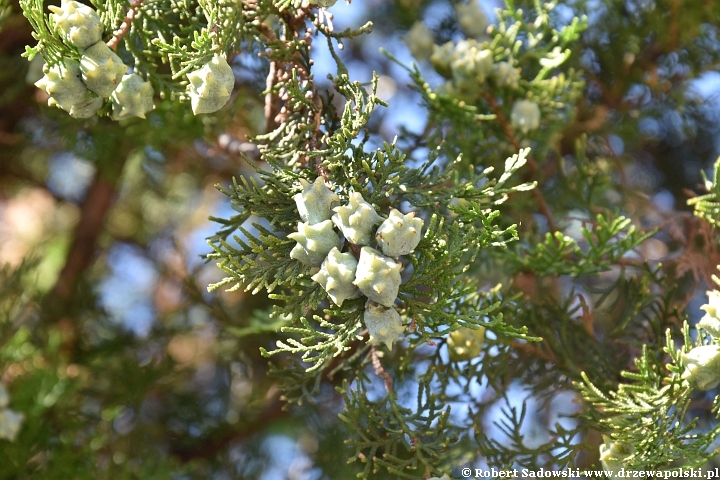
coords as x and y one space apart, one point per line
587 317
532 164
278 103
544 209
100 198
379 370
210 446
125 25
271 99
10 138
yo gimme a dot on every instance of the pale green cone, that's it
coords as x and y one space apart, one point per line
101 69
702 367
314 242
315 202
525 116
383 324
61 82
356 220
399 234
132 98
378 276
336 275
79 24
211 85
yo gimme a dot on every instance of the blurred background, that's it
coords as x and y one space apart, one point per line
122 362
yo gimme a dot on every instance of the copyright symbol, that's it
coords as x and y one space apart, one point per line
466 472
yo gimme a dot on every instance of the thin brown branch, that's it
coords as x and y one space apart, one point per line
271 99
532 164
100 198
379 370
125 25
544 209
587 317
10 138
210 446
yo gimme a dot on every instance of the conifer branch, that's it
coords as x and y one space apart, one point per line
533 167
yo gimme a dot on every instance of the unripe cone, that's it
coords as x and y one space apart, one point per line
357 219
399 234
613 455
506 75
711 321
471 18
383 324
211 85
35 70
315 202
101 69
378 276
88 107
702 366
470 65
79 24
525 116
420 40
336 276
314 242
465 343
132 98
441 57
61 82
